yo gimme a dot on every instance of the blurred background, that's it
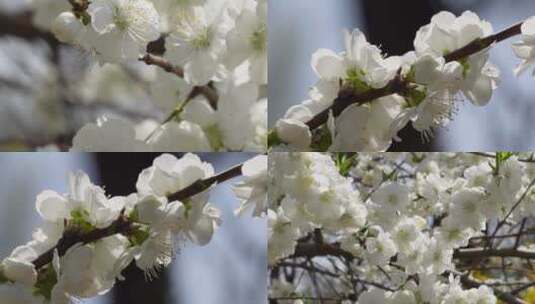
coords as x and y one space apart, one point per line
298 28
230 269
49 90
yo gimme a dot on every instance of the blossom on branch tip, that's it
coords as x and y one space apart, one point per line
66 27
253 190
447 33
132 23
248 41
292 128
18 266
525 49
197 42
169 174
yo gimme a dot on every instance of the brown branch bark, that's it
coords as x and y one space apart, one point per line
202 185
162 63
311 250
479 253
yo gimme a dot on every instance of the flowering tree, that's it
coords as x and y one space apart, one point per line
401 228
87 239
167 75
364 98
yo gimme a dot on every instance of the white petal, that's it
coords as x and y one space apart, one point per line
200 112
481 91
294 132
528 27
327 64
184 136
130 49
52 206
20 271
101 15
255 167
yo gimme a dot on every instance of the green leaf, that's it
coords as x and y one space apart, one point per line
355 80
80 220
322 139
138 236
134 215
273 139
188 205
46 280
214 137
411 75
499 159
503 156
344 162
415 96
85 18
466 66
416 158
392 176
3 278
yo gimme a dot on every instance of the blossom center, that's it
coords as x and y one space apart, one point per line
203 40
355 80
124 16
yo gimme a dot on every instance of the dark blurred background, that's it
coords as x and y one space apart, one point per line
298 28
230 269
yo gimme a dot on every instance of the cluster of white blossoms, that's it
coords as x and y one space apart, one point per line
106 233
210 83
307 191
424 86
401 225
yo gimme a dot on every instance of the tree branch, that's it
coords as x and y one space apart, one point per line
398 85
162 63
310 250
207 91
202 185
479 253
70 238
504 296
480 44
123 225
520 200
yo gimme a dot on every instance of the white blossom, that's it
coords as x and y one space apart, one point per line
130 23
253 190
197 42
525 49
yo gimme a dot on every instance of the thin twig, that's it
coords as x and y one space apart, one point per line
502 222
162 63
